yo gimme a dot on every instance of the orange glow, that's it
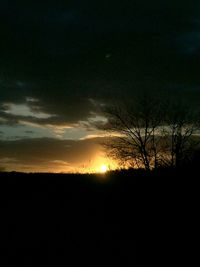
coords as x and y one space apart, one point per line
99 164
103 168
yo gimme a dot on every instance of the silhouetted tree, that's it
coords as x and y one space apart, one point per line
182 122
150 132
136 125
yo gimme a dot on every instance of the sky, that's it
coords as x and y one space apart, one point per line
61 61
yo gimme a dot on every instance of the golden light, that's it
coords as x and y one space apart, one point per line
103 169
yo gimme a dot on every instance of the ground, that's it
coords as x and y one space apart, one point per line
74 220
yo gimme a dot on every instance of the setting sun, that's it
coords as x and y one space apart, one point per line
103 169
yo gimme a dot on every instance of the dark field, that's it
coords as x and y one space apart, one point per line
81 220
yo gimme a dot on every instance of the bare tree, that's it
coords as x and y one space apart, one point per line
137 126
150 132
181 125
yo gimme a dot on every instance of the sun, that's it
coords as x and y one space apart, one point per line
103 169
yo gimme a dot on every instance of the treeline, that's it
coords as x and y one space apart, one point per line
150 131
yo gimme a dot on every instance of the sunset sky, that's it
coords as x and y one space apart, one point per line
61 61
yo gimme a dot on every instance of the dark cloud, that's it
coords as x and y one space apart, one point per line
56 52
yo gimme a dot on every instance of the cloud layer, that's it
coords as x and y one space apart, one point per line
52 155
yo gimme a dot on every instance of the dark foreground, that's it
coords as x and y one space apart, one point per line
82 220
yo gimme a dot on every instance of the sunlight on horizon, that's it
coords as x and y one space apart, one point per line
103 168
99 164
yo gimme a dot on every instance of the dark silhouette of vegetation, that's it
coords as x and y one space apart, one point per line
182 124
127 214
150 132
